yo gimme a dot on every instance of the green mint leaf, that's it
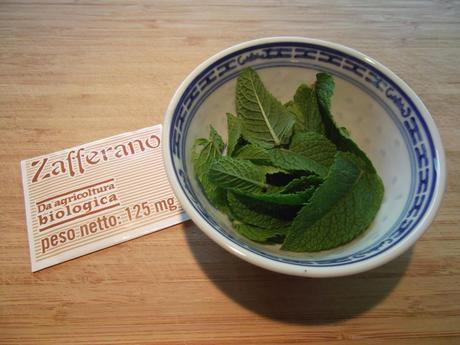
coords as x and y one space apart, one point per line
293 108
297 198
271 170
339 136
250 213
199 142
231 173
234 133
283 177
216 140
301 183
324 87
345 132
254 153
314 146
289 160
306 102
265 121
275 189
339 210
261 235
345 143
211 151
278 211
259 156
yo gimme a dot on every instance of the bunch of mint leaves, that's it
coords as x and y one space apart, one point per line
289 174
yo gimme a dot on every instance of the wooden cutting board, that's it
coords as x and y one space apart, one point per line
75 71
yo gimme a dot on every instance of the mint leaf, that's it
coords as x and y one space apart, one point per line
289 160
271 170
278 211
234 133
211 151
339 136
254 153
324 88
283 177
297 198
262 235
302 183
265 121
293 108
306 101
249 213
340 209
345 143
282 159
231 173
314 146
275 189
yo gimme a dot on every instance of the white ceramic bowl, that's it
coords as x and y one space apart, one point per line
384 116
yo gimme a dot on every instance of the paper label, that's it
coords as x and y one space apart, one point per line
96 195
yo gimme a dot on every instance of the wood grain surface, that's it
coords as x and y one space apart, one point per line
76 71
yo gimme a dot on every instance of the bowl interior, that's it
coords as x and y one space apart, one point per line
381 117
